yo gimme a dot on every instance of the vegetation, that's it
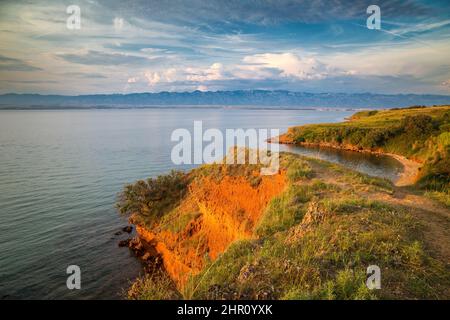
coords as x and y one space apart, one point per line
315 240
152 198
417 133
156 286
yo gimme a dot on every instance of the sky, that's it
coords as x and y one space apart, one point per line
210 45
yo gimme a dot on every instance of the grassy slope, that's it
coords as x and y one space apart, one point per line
316 240
417 133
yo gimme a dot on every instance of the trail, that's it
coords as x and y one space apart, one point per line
434 217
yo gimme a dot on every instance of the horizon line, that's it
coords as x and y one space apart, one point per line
222 91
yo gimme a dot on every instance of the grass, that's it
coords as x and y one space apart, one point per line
442 197
416 132
153 287
329 261
315 241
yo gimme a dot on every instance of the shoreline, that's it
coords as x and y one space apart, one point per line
407 177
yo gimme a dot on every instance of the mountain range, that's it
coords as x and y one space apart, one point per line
265 98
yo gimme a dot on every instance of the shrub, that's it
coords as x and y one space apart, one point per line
157 286
154 197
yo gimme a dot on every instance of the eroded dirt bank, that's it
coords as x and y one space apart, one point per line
212 215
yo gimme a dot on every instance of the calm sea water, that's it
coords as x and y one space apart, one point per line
60 172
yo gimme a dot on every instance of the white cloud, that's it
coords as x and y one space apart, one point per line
152 78
164 76
289 65
403 63
396 61
202 88
420 27
118 24
214 72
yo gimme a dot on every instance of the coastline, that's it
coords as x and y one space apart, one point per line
407 177
235 244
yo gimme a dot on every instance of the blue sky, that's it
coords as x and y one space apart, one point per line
162 45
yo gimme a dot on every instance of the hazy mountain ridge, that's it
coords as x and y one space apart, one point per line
232 98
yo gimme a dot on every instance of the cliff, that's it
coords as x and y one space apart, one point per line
308 232
213 213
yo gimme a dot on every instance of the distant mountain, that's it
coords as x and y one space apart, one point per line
228 98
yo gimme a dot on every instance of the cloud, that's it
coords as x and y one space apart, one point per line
214 72
256 67
133 80
202 88
118 24
152 78
93 57
85 75
12 64
163 45
407 60
287 64
446 84
215 14
419 27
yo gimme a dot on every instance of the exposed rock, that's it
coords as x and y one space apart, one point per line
146 256
127 229
314 215
124 243
137 247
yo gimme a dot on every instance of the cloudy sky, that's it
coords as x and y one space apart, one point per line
173 45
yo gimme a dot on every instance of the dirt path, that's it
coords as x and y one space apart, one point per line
434 217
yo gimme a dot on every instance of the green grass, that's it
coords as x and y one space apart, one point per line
295 255
153 287
329 261
442 197
417 133
299 170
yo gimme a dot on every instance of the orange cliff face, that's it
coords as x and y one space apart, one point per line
224 211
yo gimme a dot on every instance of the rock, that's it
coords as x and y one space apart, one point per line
146 256
124 243
118 233
137 247
127 229
314 215
247 272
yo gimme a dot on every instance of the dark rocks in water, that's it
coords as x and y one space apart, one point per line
118 233
137 247
127 229
124 243
146 253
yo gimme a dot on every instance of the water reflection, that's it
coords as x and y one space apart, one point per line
371 164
